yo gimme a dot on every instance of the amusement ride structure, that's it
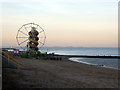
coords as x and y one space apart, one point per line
32 36
33 40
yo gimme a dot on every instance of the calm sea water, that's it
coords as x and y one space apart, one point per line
108 63
82 51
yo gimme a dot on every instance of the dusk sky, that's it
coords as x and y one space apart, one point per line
77 23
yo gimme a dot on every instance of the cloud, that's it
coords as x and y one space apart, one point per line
45 6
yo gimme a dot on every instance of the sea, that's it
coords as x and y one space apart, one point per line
89 51
103 62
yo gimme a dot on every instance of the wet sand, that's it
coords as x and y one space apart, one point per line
58 74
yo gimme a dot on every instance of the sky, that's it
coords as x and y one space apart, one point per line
76 23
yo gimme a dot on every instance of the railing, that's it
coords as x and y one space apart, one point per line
11 59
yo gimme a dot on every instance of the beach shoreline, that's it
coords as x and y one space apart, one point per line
60 74
98 65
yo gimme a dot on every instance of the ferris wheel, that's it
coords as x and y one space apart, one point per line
23 35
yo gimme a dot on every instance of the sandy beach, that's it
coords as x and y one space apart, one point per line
39 73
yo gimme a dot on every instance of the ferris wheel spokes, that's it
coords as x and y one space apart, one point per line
41 43
21 37
25 28
23 34
42 37
23 41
